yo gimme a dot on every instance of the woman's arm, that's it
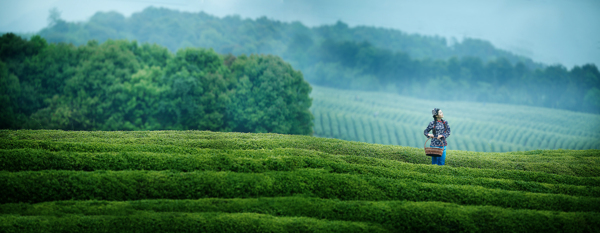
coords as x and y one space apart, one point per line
447 133
429 128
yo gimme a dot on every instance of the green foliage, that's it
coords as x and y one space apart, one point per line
16 91
392 215
283 159
464 79
213 181
10 89
199 90
359 58
550 161
120 85
271 97
137 185
141 221
398 120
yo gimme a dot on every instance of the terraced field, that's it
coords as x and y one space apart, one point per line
395 120
190 181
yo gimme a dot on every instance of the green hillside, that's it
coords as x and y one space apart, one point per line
183 181
396 120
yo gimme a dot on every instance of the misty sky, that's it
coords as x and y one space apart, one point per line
549 31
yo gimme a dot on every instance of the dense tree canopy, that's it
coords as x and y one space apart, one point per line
269 93
120 85
365 58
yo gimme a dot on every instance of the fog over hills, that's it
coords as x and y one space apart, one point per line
548 31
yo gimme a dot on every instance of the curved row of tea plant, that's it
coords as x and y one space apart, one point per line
364 128
149 221
564 162
251 161
393 215
395 120
167 181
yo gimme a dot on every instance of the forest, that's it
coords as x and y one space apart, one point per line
359 58
123 85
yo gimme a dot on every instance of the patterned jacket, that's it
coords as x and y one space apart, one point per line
439 128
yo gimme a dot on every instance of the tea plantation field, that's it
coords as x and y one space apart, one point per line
199 181
396 120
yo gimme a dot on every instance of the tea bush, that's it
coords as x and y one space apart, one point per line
179 181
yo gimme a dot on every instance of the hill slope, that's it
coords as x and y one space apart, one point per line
397 120
166 181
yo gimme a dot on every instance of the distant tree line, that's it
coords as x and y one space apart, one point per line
232 34
355 65
364 58
122 85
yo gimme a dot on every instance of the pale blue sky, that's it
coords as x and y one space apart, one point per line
549 31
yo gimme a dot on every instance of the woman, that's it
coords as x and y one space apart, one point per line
441 131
